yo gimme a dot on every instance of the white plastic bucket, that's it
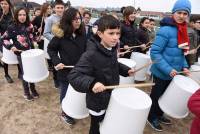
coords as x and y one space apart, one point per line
46 43
141 60
174 100
127 112
148 70
195 75
34 65
74 104
9 57
130 63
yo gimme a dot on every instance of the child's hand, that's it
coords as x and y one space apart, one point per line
186 71
143 47
126 47
173 73
59 66
131 72
98 87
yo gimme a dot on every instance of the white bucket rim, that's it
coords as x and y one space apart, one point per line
141 54
117 91
32 52
76 116
28 79
9 62
131 62
186 82
195 68
170 113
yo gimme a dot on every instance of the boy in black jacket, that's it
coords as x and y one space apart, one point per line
97 67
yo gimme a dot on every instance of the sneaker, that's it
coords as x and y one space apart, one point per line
28 97
35 94
155 125
164 120
9 79
67 119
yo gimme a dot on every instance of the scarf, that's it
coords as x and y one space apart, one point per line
183 39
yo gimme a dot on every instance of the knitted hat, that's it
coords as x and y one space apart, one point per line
182 5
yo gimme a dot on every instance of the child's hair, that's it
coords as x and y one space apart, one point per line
128 11
194 18
16 20
108 22
151 20
58 2
36 9
143 20
66 22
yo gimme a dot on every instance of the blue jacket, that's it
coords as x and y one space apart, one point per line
165 51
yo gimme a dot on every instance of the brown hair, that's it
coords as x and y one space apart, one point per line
44 8
27 22
128 11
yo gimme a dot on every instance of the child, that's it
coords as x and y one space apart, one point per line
193 35
169 49
70 42
194 106
98 67
6 19
21 34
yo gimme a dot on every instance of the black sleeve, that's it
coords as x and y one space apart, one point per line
123 40
123 70
80 76
52 49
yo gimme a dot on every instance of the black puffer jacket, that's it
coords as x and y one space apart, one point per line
70 50
6 20
97 64
128 34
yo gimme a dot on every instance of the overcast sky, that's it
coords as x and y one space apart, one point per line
150 5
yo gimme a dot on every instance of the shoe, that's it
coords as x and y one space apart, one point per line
67 119
35 94
155 125
28 97
9 79
164 120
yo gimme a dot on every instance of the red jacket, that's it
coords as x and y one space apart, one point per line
194 106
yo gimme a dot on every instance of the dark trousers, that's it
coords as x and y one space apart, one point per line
25 84
5 66
94 123
156 92
41 44
63 85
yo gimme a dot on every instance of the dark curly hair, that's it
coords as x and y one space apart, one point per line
27 22
66 22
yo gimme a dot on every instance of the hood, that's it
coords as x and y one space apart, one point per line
57 31
167 21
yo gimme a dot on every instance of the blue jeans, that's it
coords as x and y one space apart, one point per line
63 85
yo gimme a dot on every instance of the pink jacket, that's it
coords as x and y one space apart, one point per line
194 106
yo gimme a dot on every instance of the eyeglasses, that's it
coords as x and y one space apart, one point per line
76 19
87 17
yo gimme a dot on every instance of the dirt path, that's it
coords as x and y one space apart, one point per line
41 116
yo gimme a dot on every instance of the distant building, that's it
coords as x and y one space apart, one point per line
151 14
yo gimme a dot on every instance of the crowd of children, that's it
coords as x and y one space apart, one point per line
93 51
